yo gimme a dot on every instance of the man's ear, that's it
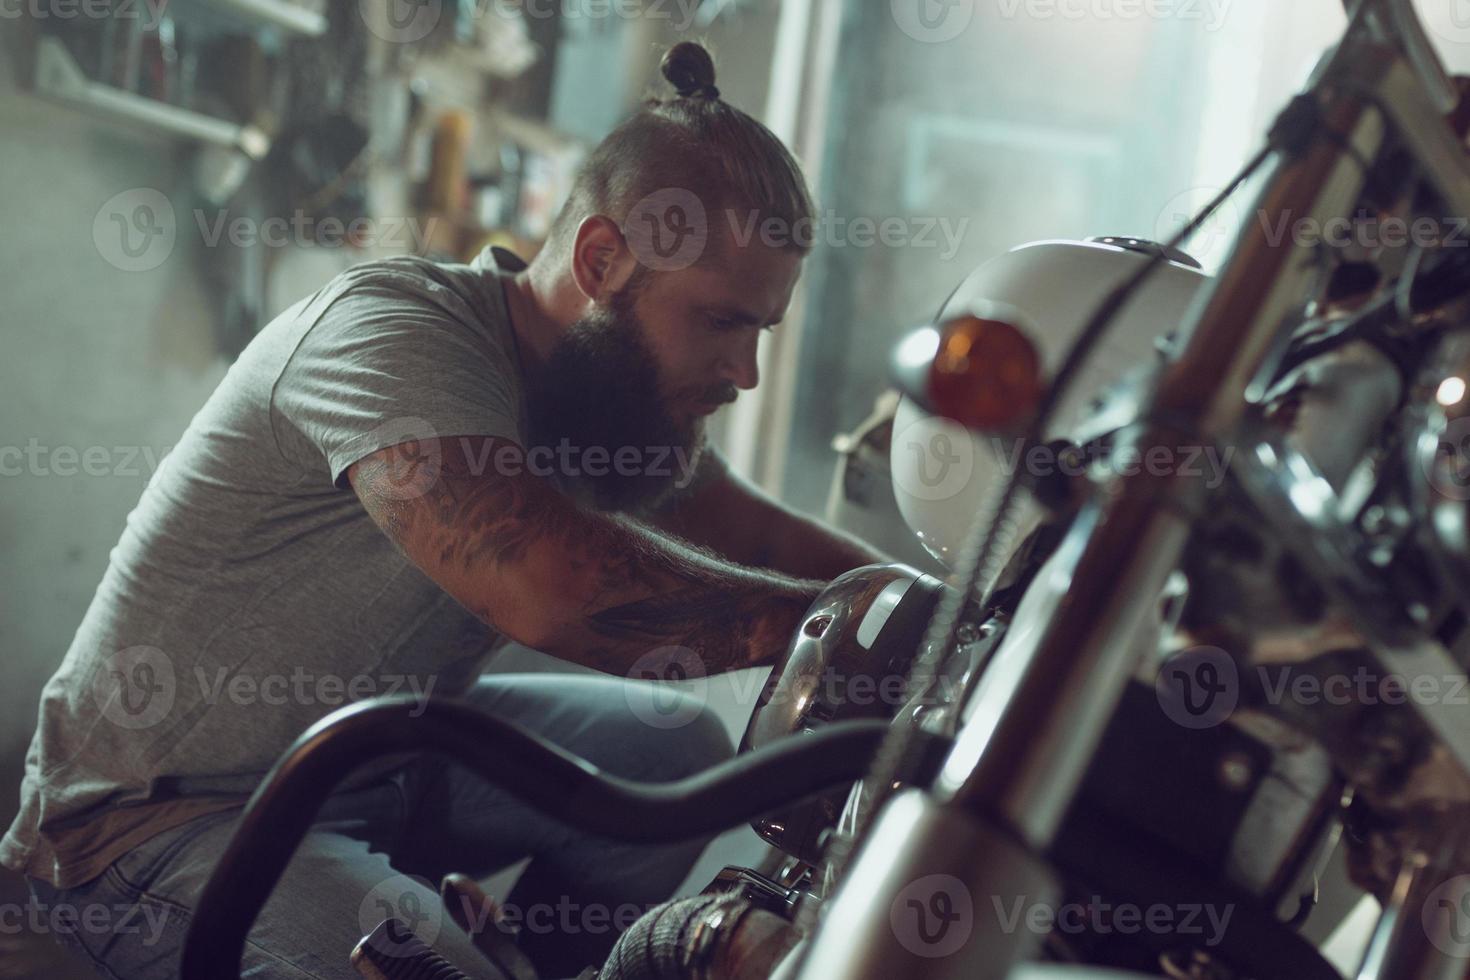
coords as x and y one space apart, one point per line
602 262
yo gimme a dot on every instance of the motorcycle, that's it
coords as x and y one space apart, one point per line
1207 623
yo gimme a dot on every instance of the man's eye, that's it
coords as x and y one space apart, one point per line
729 323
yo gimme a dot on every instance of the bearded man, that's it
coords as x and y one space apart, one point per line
417 462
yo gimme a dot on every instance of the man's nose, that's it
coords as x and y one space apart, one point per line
740 366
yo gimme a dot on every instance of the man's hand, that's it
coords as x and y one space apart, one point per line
586 587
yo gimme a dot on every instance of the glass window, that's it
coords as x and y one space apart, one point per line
956 131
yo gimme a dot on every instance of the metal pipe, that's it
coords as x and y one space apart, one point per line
565 787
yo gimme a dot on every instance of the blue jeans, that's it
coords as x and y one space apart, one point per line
381 850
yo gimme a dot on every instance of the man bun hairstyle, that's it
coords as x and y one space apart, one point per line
693 143
690 69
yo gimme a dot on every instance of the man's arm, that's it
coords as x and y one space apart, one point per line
585 587
737 520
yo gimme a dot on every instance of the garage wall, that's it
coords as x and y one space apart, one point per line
100 367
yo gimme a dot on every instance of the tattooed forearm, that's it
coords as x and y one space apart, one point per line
724 626
589 587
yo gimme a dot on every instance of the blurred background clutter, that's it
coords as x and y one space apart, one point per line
176 172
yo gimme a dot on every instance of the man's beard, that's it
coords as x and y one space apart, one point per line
600 387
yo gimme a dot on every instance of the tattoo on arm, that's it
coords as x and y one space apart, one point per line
630 590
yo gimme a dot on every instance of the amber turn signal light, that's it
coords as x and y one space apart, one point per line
986 374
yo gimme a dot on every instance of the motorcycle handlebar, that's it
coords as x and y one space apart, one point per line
563 786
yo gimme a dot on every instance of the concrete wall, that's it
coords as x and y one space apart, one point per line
95 359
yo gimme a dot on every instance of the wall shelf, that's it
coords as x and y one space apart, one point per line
59 77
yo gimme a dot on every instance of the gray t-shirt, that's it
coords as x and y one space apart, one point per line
251 594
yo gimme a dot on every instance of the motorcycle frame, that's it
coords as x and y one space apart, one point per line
1035 724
